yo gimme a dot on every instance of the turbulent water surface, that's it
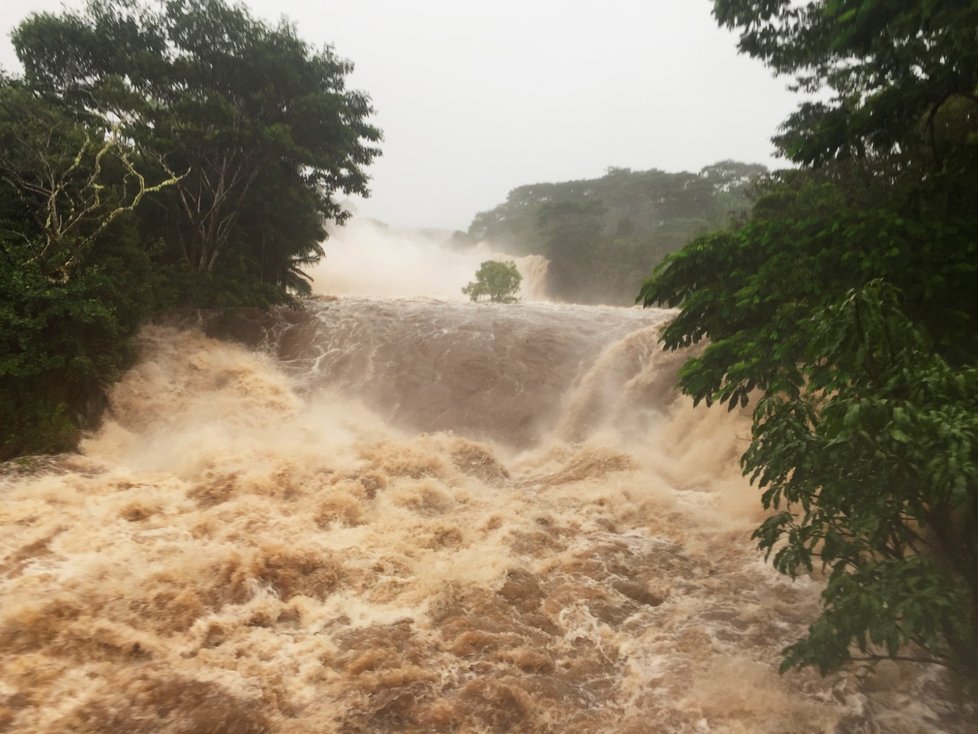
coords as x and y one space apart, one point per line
417 516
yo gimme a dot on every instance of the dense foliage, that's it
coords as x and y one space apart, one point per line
62 340
500 281
152 157
600 235
258 125
845 305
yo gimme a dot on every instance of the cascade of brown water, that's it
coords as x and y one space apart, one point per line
410 516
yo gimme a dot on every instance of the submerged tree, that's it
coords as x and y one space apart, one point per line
845 304
500 281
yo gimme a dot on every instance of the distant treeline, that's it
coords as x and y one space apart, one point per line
179 154
603 236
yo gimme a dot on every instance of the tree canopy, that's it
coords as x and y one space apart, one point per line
844 307
250 115
500 281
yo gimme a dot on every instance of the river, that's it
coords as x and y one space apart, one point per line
411 515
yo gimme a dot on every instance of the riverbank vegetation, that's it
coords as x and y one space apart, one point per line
155 157
844 306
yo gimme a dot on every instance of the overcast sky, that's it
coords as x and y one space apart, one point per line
477 98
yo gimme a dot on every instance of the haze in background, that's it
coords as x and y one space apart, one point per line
476 99
369 258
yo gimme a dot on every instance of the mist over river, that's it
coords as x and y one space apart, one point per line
411 515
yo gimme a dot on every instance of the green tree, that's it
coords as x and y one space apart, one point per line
500 281
152 158
260 123
572 237
78 178
844 304
74 280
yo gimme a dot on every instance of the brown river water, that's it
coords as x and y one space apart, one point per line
412 515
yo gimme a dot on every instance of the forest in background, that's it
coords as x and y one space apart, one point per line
603 236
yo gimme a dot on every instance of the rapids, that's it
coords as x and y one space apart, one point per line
411 515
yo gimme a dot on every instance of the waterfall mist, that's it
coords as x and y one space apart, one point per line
369 258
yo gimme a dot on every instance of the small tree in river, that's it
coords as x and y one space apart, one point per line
500 281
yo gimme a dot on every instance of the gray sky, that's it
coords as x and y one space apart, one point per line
477 98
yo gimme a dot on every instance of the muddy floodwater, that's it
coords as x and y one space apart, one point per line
381 515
